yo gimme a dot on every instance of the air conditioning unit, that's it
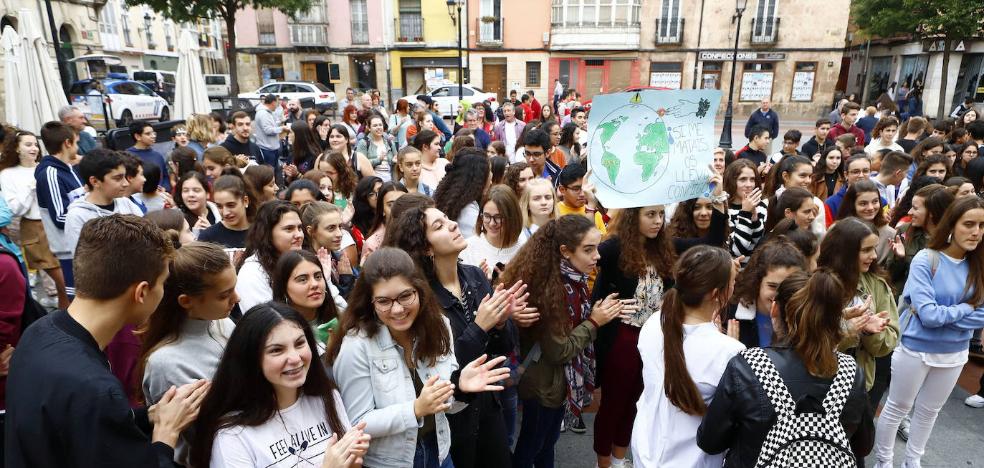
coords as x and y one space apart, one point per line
546 37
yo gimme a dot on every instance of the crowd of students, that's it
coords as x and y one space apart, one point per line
378 292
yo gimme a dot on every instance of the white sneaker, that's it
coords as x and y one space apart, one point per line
975 401
623 463
904 429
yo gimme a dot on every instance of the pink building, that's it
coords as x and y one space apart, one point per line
509 43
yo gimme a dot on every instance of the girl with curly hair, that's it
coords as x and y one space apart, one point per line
700 221
637 264
395 323
755 289
463 188
517 176
276 229
558 259
480 324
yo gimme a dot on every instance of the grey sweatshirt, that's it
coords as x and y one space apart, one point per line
194 355
82 210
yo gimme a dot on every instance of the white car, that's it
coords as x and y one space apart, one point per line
323 97
447 99
124 100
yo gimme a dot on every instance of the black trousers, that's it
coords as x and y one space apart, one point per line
478 435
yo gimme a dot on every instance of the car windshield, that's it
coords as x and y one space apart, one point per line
477 89
145 76
321 87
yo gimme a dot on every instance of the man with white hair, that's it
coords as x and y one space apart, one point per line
73 117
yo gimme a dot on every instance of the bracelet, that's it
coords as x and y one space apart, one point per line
592 321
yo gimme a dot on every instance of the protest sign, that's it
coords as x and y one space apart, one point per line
651 147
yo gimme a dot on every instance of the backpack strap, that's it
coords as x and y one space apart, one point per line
840 389
770 379
934 263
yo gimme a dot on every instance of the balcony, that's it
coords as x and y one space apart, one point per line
409 28
308 34
489 31
765 30
669 31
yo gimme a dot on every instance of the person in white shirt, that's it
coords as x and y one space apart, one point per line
460 192
508 130
883 136
271 403
276 229
499 234
684 354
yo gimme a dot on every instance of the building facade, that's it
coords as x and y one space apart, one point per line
508 47
888 65
689 44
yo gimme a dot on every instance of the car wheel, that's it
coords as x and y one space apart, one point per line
165 114
125 119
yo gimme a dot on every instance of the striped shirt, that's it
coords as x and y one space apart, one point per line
745 233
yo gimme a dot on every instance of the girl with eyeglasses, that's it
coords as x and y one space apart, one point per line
499 234
396 367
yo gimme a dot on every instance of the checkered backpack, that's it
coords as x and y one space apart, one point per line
804 440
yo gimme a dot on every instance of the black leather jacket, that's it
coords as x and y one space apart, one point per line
740 416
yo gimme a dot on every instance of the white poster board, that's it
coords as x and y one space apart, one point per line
668 80
803 86
756 85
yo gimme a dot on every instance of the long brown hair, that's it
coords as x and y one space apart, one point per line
848 208
540 266
731 174
9 156
778 252
841 248
810 310
975 258
429 333
639 251
699 271
192 269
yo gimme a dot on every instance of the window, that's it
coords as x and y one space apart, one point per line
289 88
669 24
710 75
804 79
532 74
265 27
666 75
270 89
765 23
360 22
107 18
169 34
756 81
125 17
598 13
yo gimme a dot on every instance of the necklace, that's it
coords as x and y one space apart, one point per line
295 450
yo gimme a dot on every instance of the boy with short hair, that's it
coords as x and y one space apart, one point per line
64 406
758 143
868 122
536 143
790 141
574 199
104 175
894 166
57 187
848 117
144 137
819 142
135 177
846 143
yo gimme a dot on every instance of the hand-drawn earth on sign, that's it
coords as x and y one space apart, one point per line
636 145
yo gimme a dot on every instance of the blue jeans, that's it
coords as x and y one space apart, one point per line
538 435
510 400
271 157
428 455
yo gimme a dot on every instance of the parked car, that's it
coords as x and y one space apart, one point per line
447 98
124 101
217 85
161 81
324 98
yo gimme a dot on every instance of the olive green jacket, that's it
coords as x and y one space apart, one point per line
544 378
876 345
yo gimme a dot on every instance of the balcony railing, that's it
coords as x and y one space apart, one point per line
669 30
490 32
765 30
409 27
308 34
268 38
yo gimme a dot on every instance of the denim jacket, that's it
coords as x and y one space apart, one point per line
376 387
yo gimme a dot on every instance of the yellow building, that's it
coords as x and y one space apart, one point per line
425 46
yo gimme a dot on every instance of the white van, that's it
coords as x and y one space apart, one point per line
217 85
161 81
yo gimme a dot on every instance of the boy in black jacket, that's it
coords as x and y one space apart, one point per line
65 407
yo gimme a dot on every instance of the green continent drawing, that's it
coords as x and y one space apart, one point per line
650 149
609 160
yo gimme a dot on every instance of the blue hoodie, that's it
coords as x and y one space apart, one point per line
58 186
944 322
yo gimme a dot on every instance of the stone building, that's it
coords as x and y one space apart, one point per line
788 51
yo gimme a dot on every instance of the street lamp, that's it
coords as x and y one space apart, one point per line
452 5
725 142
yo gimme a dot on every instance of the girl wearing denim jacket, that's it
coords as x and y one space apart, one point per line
945 310
396 368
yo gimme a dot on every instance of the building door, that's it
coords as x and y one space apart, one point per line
494 80
845 73
309 71
970 79
413 81
593 81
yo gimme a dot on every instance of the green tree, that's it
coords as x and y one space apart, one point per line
181 11
948 21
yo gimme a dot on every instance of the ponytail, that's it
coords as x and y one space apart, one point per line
811 310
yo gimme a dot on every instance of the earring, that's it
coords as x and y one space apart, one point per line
949 239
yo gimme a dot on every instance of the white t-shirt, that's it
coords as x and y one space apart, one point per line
480 249
297 437
509 138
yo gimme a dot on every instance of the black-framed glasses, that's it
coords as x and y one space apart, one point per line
406 299
493 219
